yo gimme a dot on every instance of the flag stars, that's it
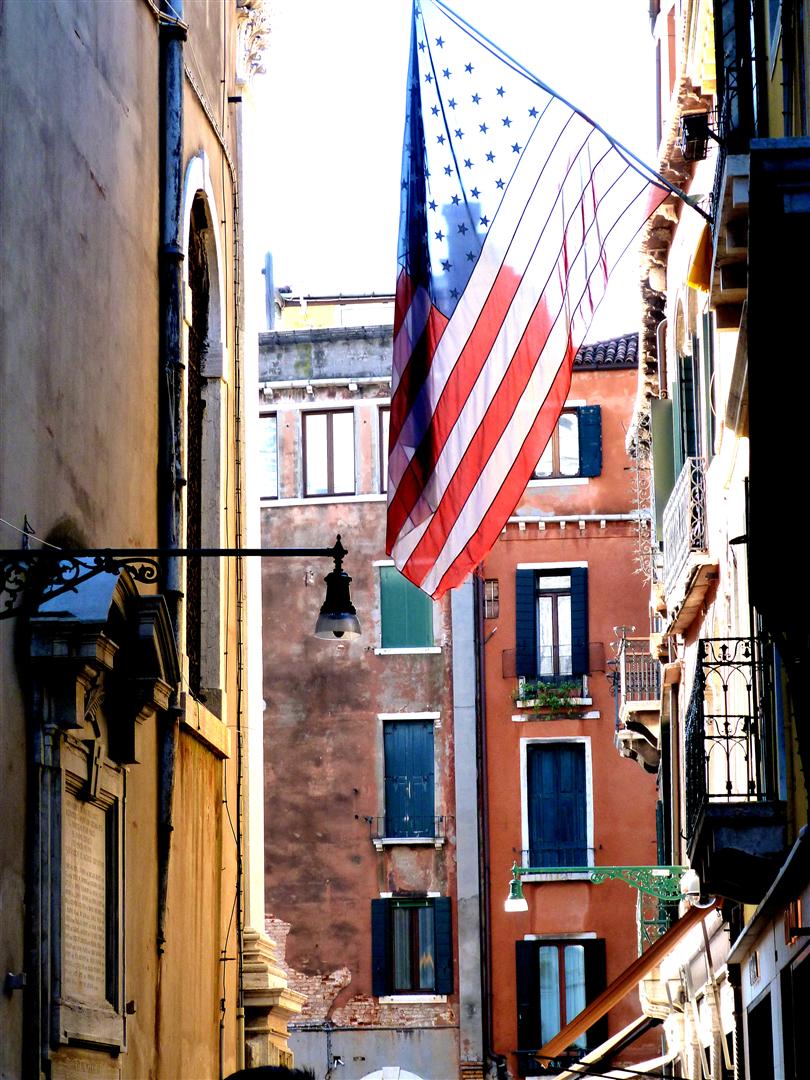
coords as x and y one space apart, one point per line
459 133
516 148
440 42
483 128
485 221
455 199
421 46
452 103
446 265
475 192
470 256
468 68
462 228
454 293
428 78
447 73
476 99
500 91
532 112
448 170
490 156
506 122
499 184
440 140
435 110
432 204
439 234
468 163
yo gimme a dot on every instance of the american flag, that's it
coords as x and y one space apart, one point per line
515 209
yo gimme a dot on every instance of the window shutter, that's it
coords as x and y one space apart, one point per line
590 440
406 613
558 832
443 935
409 778
579 620
595 983
421 778
526 624
379 947
528 1004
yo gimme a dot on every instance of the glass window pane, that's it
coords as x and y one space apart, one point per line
268 458
545 636
545 464
549 992
554 581
343 451
402 948
427 977
564 632
575 986
568 428
385 424
315 442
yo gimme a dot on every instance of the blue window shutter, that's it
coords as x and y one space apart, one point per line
595 983
443 935
528 1004
590 440
380 947
579 621
558 829
525 624
409 778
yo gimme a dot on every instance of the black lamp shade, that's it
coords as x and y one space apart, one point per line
338 618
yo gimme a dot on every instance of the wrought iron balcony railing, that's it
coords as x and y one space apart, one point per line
639 672
728 739
684 521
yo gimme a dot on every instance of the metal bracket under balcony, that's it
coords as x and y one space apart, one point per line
688 571
735 823
637 684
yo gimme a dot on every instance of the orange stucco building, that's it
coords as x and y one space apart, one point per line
561 583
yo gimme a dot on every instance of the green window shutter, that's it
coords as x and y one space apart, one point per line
406 613
579 621
443 933
590 440
379 947
663 455
525 624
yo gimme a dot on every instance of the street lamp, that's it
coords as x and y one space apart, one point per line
338 617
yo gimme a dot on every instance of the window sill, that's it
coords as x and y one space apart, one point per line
405 650
557 481
413 999
381 842
322 500
555 714
532 703
539 879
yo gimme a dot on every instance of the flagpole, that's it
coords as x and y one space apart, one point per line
517 66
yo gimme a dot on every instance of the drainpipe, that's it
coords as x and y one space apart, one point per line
170 384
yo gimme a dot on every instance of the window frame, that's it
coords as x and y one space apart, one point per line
554 443
383 943
382 438
589 447
525 839
331 491
262 494
409 835
527 631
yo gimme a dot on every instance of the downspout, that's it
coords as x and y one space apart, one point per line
170 387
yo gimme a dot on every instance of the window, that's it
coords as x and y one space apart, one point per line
575 446
555 981
556 804
411 946
328 453
409 783
492 598
552 623
406 613
268 457
385 423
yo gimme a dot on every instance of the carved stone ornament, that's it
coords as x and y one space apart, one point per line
253 29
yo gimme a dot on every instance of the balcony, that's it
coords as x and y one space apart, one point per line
414 830
687 570
735 824
637 677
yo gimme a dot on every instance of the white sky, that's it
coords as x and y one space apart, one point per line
333 102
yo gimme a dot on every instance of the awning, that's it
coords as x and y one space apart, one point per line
622 985
614 1045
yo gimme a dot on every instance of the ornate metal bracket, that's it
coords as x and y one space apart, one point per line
663 882
30 576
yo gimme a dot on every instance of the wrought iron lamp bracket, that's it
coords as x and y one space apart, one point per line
663 882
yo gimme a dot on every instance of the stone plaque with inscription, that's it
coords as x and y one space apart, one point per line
84 901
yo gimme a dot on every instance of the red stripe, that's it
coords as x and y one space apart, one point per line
486 437
415 372
402 299
455 393
509 493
